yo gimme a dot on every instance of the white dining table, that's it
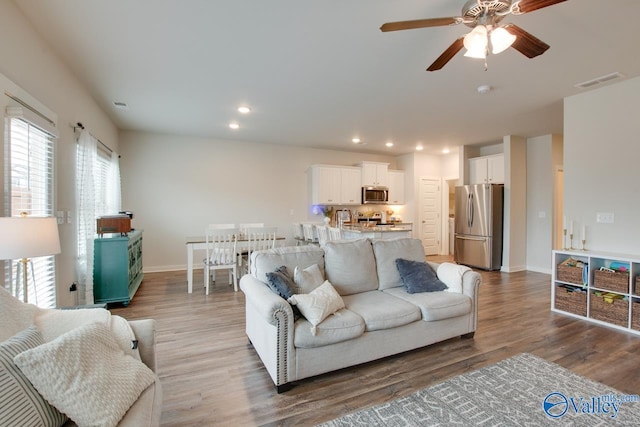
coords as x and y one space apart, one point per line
199 243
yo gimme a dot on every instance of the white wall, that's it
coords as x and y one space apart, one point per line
542 160
176 185
601 162
29 62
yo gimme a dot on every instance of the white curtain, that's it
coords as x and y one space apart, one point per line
86 209
113 192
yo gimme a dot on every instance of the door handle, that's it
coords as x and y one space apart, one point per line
477 239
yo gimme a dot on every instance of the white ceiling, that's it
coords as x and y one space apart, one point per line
318 73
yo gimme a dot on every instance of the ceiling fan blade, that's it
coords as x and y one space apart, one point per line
526 43
447 55
419 23
526 6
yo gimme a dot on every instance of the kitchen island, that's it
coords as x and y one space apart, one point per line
379 231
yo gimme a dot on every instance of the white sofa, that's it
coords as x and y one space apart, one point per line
380 318
16 316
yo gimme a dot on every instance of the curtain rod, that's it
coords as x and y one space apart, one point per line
79 125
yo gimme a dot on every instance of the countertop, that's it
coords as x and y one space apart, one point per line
379 228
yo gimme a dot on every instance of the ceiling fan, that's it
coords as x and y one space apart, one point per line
484 16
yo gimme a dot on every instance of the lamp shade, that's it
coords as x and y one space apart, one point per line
28 237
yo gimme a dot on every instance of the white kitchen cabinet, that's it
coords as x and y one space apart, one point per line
350 186
375 174
396 187
335 185
487 169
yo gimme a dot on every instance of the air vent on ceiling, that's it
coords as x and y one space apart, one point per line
120 105
599 80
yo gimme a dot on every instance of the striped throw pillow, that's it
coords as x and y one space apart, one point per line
20 403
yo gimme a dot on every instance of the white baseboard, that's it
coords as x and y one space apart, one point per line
513 269
163 268
539 269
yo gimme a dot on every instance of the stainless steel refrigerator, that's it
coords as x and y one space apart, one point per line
478 236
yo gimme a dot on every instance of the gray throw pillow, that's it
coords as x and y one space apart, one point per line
281 283
418 276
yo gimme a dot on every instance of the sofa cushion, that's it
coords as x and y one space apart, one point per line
87 362
307 279
418 276
282 284
20 402
263 262
342 326
387 251
435 305
350 266
319 304
381 311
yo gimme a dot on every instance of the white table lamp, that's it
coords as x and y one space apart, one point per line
28 237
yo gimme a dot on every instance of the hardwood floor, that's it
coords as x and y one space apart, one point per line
211 375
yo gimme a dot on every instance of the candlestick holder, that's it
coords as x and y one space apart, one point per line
584 242
571 241
564 239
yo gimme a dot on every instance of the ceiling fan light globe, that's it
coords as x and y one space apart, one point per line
501 40
477 53
476 39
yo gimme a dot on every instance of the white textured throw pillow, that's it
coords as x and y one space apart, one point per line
86 375
308 279
319 304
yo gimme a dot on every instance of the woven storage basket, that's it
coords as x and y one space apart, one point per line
572 302
636 287
568 274
616 282
616 313
635 316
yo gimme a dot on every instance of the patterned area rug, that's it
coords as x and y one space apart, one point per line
523 390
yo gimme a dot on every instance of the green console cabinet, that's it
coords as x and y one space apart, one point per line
117 267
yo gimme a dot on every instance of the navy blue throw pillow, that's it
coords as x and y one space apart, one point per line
418 276
282 284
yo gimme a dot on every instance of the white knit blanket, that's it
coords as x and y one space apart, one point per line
451 274
16 316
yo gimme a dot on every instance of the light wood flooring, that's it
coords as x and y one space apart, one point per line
211 376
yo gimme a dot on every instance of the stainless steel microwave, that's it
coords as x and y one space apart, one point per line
375 195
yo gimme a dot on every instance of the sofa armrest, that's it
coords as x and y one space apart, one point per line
270 328
145 332
263 300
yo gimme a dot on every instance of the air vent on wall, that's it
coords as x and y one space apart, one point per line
599 80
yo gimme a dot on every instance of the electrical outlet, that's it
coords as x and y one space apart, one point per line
60 217
604 217
69 217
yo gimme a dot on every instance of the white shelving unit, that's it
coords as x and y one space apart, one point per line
588 300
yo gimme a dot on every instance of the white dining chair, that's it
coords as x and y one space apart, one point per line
298 234
217 226
258 239
323 234
244 226
221 255
309 232
335 233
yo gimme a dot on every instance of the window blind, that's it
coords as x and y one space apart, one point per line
30 187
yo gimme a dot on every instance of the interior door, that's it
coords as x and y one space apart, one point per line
430 208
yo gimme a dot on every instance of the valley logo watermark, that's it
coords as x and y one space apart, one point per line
557 404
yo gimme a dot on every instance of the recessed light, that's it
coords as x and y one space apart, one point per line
389 144
234 125
244 109
120 105
419 147
356 140
445 151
